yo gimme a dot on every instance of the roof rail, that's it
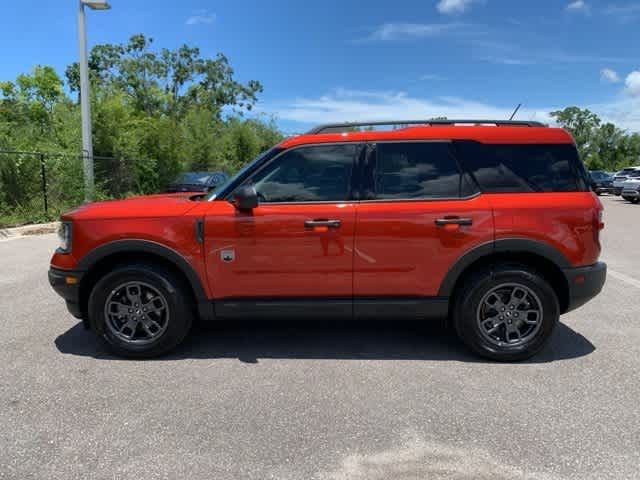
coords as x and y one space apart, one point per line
341 127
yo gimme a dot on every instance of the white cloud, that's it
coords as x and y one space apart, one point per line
362 105
399 31
632 84
578 6
608 75
513 54
343 105
202 17
453 6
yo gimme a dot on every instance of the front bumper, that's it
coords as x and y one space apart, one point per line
585 283
70 292
631 193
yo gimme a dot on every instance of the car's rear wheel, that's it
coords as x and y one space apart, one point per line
140 311
634 200
507 313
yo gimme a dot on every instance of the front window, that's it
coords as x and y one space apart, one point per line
320 173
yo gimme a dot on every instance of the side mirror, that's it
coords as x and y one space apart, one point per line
245 198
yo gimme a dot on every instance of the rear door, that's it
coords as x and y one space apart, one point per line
418 215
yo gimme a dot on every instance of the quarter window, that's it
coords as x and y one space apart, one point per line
307 174
523 168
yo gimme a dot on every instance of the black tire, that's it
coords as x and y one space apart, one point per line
634 200
470 297
178 305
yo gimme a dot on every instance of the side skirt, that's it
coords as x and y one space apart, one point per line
420 308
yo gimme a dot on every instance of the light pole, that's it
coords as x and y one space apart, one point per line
85 99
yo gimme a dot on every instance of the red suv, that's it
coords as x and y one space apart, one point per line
491 225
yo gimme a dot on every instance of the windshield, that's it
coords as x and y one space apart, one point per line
239 173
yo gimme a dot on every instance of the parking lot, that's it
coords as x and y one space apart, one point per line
322 400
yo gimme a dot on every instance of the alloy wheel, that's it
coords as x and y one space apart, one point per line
136 313
509 315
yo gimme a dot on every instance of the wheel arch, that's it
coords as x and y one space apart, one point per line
543 258
121 252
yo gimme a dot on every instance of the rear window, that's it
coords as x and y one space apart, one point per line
415 170
523 168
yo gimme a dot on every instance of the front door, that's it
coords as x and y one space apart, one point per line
295 250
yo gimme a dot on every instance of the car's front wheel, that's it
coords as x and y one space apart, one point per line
140 311
507 313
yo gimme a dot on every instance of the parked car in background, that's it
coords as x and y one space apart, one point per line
601 182
631 188
197 182
620 178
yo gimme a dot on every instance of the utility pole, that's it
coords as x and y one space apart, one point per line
85 96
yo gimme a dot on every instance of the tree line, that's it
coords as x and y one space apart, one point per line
602 145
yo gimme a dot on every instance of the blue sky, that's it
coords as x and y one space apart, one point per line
349 60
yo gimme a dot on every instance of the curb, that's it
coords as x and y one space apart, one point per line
27 230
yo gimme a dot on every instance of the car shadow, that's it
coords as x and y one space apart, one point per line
250 341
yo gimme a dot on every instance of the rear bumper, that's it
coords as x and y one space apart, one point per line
70 292
585 283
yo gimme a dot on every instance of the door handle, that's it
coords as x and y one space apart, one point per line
441 222
322 223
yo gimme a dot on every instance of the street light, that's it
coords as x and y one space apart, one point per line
85 100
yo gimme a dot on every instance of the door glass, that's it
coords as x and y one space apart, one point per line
416 170
308 174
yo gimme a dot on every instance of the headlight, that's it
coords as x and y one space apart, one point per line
64 234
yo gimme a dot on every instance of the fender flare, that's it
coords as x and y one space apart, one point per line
204 305
503 245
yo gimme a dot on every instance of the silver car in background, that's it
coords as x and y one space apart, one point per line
621 177
631 187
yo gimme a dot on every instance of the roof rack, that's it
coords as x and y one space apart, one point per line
341 127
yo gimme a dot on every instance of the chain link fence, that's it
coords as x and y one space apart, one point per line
37 186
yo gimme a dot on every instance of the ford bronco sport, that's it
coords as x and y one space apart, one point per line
490 225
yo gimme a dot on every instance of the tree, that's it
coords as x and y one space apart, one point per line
166 82
582 124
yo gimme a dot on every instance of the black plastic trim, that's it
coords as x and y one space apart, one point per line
199 230
418 308
593 279
312 308
70 293
148 246
269 308
341 127
503 245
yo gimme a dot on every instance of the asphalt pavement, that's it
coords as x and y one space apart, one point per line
320 400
